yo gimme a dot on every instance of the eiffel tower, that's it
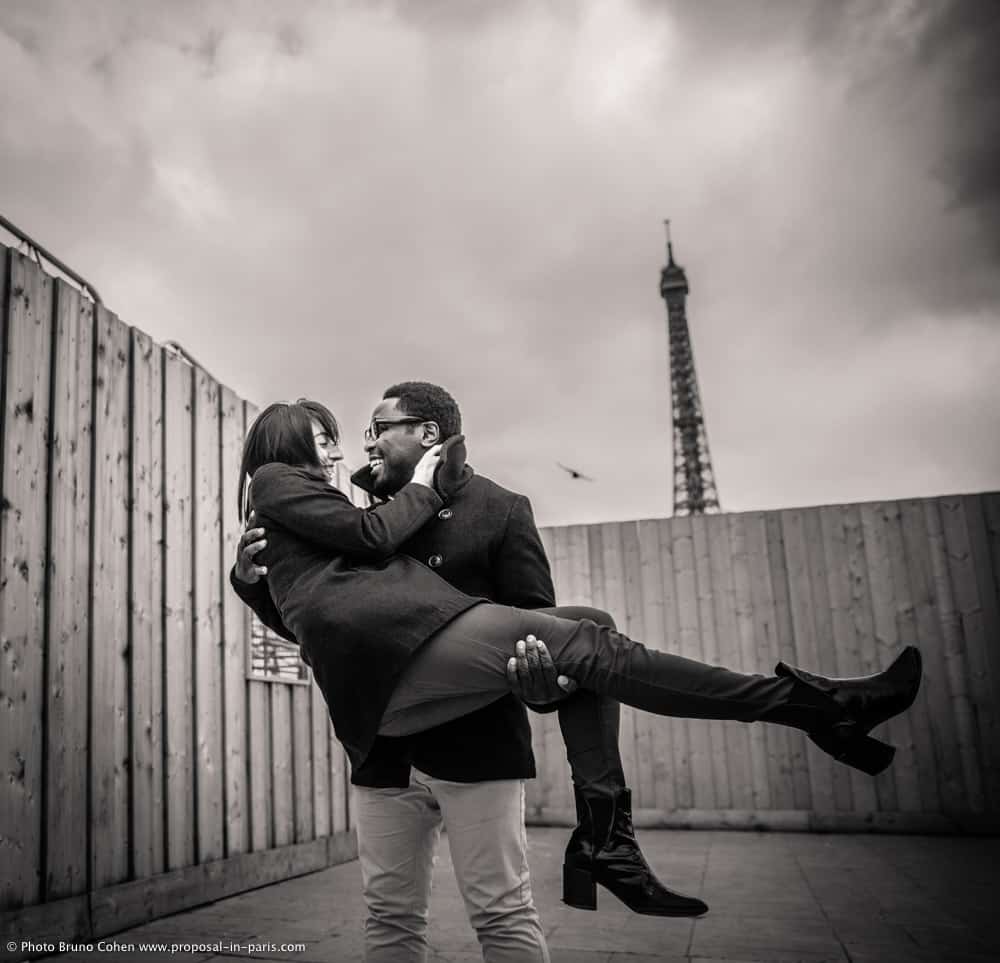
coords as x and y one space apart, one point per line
694 481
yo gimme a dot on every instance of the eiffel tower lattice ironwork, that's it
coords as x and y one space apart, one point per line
694 481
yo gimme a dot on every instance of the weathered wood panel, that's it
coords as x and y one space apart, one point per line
178 611
146 606
110 696
282 785
235 636
128 747
68 610
208 648
302 774
28 336
840 589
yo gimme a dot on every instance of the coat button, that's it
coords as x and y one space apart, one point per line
435 561
445 513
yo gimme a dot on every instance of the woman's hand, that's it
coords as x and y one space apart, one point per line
423 474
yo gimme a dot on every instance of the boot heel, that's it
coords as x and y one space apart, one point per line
579 889
862 752
869 755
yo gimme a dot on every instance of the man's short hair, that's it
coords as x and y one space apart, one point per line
430 402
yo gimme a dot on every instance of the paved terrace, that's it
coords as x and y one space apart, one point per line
775 898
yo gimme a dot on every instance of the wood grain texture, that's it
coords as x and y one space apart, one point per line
178 610
28 330
146 606
235 636
208 643
68 611
110 696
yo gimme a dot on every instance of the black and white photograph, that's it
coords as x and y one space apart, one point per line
500 480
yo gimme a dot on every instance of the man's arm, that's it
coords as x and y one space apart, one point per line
247 580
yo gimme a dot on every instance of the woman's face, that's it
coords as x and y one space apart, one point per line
327 450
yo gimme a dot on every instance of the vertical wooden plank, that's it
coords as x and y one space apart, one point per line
260 794
777 748
678 787
875 524
146 605
615 602
208 647
805 609
747 659
260 781
825 642
577 579
319 723
933 708
709 652
643 762
906 627
699 765
553 789
736 734
110 621
178 486
880 792
656 735
970 609
784 629
339 783
953 658
858 790
989 606
22 578
69 588
302 772
235 634
281 764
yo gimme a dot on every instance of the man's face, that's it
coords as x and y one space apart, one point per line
394 454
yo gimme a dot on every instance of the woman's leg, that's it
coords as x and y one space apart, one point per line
469 656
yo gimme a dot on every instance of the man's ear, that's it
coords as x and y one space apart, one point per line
431 434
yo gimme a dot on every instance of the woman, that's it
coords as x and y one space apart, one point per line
429 654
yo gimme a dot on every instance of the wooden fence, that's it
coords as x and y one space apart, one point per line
838 589
141 770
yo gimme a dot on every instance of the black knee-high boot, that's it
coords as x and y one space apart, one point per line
603 848
837 714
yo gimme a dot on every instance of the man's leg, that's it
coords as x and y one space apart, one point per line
489 850
398 831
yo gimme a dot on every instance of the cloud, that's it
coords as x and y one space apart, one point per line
325 198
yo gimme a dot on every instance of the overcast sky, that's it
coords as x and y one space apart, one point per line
323 198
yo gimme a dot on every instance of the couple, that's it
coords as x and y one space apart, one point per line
406 614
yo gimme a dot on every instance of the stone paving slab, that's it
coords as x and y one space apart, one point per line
774 898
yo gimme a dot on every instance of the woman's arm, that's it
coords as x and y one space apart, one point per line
311 508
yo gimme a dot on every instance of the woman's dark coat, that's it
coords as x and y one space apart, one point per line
358 609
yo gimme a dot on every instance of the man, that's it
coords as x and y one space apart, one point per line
468 775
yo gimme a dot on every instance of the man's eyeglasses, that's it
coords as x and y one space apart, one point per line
381 424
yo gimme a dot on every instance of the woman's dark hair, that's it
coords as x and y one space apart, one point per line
281 433
421 399
323 416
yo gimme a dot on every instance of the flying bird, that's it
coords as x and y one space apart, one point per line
573 473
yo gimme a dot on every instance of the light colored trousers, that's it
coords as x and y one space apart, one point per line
398 831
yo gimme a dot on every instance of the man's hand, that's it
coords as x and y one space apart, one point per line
251 542
532 674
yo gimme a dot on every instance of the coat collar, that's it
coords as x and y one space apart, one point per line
363 479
